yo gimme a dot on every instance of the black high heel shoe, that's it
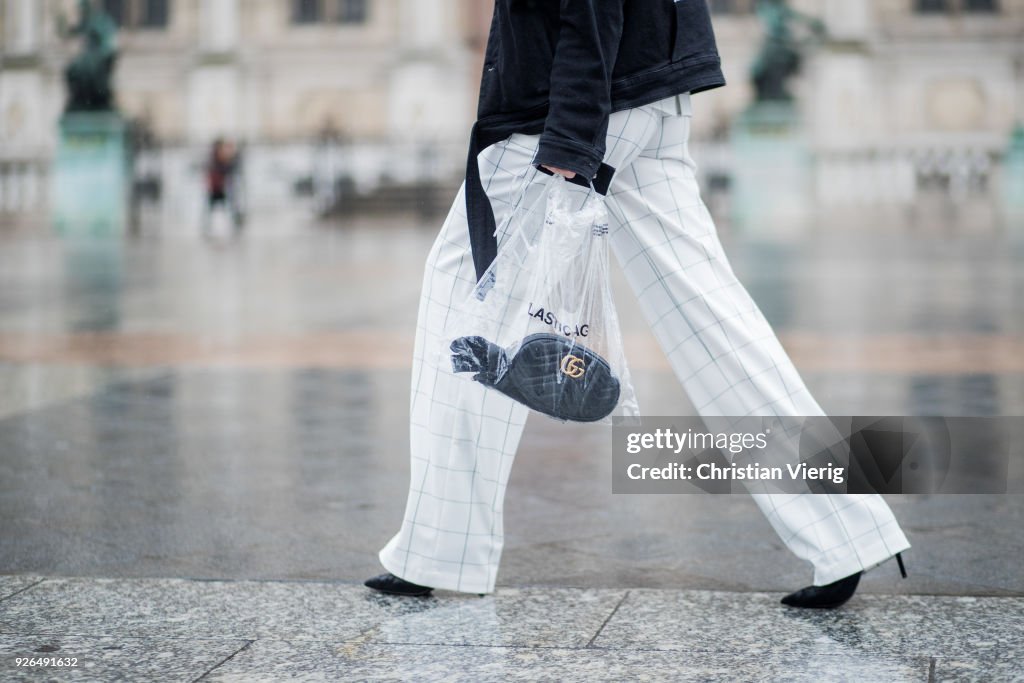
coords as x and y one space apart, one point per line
392 585
824 597
832 595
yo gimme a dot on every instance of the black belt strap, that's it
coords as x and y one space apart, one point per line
482 240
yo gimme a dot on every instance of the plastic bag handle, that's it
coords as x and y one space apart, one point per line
600 184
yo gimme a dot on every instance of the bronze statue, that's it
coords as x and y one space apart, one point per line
89 76
780 58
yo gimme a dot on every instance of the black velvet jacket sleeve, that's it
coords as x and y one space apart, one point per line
580 88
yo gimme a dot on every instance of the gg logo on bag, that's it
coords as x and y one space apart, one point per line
573 366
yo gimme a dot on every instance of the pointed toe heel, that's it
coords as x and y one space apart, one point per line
824 597
392 585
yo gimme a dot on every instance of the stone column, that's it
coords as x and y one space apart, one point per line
22 22
849 20
428 99
848 103
214 84
424 22
219 25
29 105
845 101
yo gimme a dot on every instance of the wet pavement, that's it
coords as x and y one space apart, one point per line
276 631
203 445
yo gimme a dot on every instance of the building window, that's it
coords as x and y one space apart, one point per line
118 9
955 6
352 11
732 6
133 14
307 11
155 13
330 11
980 6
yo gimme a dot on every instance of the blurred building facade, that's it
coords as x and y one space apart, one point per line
905 98
295 81
384 90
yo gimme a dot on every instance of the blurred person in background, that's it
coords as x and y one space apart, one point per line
601 96
222 171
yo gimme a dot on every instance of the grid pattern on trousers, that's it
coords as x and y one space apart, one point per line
725 354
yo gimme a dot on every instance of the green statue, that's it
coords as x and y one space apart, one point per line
780 59
89 76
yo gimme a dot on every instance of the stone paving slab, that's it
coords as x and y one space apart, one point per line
179 608
519 617
272 661
177 629
9 585
966 670
154 660
904 625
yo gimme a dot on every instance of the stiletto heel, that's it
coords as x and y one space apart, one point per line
828 597
899 561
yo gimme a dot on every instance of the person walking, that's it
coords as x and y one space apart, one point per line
599 92
222 171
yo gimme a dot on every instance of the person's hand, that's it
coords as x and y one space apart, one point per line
568 175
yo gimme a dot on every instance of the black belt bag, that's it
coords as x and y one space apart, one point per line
546 372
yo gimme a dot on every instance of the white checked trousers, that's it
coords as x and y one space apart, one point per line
725 354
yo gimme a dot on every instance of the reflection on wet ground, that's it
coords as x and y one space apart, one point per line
174 407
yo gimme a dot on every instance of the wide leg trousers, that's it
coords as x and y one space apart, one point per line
725 354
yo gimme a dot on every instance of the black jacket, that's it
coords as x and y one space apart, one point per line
559 68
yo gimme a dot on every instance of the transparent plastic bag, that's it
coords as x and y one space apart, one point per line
541 326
